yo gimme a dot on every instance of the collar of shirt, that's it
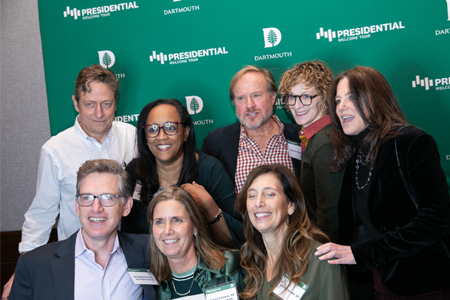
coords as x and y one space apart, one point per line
311 130
274 117
90 141
80 246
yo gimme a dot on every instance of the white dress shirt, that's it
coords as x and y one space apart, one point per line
92 281
60 159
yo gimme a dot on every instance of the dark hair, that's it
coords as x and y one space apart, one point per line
96 73
298 239
211 253
107 166
378 107
268 76
146 163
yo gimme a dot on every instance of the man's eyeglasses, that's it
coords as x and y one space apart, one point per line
170 128
106 200
304 99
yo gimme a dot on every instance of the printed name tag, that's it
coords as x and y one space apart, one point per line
292 292
295 150
137 191
142 276
226 291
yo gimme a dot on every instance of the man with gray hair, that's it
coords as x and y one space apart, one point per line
259 138
93 262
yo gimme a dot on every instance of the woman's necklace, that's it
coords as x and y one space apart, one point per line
193 277
359 159
175 289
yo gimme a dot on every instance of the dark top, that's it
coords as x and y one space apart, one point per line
48 272
324 281
212 176
223 143
321 187
407 247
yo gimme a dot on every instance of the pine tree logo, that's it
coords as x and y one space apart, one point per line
106 59
194 104
272 37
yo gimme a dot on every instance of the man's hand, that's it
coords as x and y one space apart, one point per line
7 288
343 254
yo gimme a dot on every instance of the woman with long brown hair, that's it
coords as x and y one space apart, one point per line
394 206
185 261
279 253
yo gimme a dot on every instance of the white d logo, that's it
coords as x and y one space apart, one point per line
272 37
106 59
194 104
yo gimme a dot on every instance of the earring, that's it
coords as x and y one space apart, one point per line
195 234
287 220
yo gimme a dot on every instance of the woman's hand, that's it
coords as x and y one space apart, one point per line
203 199
343 254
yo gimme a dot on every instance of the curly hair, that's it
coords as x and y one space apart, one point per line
312 73
298 238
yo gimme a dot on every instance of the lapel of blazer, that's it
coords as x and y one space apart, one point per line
63 269
383 154
231 144
133 251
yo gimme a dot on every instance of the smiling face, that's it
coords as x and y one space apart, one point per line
173 231
253 102
351 121
306 115
166 149
96 110
267 205
99 224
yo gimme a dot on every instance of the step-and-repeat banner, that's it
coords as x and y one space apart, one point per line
190 49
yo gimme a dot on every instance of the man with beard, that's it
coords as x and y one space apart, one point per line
259 138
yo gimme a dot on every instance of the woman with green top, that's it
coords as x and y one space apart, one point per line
185 261
304 88
281 241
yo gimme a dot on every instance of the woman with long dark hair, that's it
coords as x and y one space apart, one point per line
168 156
394 206
281 241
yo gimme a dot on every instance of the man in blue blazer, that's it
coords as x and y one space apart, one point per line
259 137
93 262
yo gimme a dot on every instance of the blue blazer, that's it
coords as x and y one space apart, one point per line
223 143
48 272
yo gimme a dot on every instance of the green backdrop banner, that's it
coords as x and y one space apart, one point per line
190 49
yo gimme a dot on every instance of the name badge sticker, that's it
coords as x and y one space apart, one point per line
295 150
142 276
292 292
225 291
137 191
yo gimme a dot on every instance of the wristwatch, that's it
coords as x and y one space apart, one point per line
217 218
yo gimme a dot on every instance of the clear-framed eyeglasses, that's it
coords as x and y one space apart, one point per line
304 99
170 128
106 200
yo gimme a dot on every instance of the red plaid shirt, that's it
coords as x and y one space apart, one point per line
250 156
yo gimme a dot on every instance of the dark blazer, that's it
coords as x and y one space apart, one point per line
223 143
48 272
407 246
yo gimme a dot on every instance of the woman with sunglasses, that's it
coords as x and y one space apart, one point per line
168 157
304 88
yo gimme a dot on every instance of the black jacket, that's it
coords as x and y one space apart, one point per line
407 246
